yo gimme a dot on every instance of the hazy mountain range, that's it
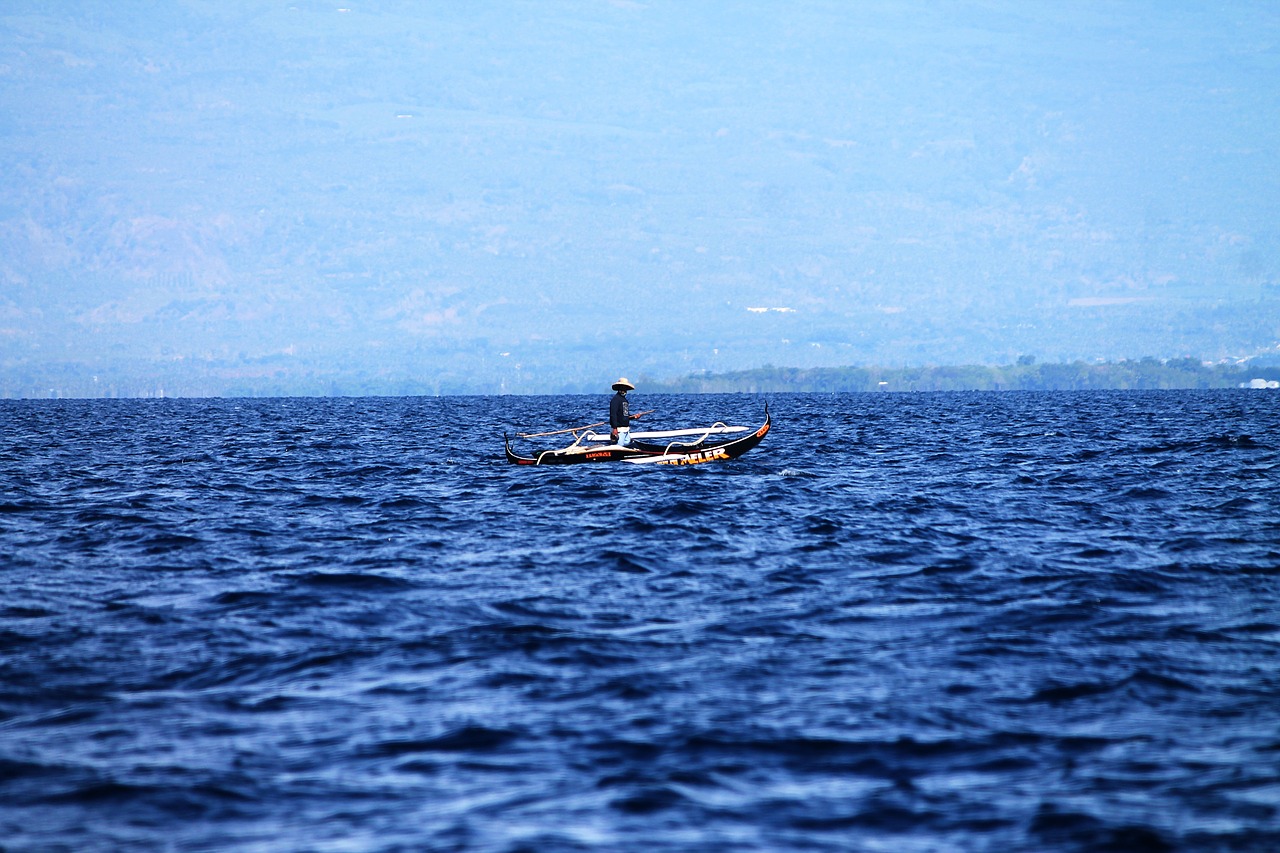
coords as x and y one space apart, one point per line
297 197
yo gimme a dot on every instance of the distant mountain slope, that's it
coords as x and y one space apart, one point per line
539 195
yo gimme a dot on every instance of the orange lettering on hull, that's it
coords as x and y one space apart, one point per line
696 458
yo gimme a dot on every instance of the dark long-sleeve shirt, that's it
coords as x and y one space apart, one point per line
619 411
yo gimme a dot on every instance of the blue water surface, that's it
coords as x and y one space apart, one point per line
987 621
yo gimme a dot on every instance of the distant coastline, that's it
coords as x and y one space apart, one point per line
1141 374
74 382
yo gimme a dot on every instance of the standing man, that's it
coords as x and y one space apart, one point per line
620 416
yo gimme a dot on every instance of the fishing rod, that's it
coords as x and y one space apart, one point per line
577 429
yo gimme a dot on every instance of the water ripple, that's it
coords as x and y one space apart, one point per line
919 621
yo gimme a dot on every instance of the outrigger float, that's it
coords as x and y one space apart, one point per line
656 447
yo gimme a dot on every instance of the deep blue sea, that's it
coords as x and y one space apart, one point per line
905 622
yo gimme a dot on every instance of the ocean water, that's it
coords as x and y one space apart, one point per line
907 622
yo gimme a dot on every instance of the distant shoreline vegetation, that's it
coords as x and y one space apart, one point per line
1026 375
74 381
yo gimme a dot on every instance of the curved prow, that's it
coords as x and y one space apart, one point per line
735 449
512 456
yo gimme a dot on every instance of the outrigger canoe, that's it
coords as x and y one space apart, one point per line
656 447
